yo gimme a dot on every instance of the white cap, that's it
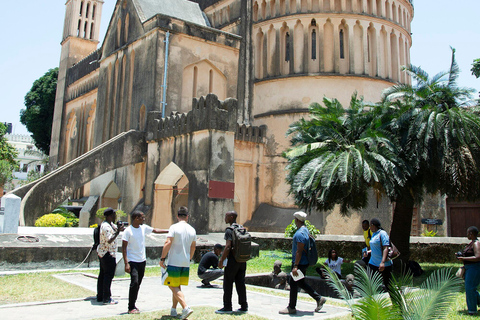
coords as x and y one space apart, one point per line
300 215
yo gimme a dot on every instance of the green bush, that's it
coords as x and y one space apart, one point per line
292 228
120 213
51 220
72 220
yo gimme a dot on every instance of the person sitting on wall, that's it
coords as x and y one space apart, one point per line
278 278
208 267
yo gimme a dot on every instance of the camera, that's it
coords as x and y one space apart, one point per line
122 224
459 254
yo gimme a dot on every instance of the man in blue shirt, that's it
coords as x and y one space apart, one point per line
300 263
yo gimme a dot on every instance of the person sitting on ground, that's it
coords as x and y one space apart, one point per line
208 268
334 262
278 278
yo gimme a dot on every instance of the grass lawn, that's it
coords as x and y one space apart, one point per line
42 286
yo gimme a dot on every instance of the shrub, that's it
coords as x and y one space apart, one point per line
72 220
120 213
93 225
51 220
292 228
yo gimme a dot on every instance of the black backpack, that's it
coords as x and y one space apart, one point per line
96 237
415 268
311 250
241 242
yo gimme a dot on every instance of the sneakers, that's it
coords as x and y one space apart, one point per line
242 309
111 301
206 284
173 312
320 304
186 312
288 310
224 310
134 311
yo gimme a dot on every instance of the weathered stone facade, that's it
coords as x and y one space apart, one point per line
273 57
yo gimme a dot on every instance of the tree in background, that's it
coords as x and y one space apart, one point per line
476 68
418 139
8 163
40 103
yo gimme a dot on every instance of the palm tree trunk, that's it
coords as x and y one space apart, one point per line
402 224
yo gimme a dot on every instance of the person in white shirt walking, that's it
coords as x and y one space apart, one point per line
180 247
134 254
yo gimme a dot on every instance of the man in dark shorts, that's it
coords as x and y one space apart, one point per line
208 268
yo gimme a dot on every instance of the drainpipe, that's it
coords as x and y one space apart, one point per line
165 72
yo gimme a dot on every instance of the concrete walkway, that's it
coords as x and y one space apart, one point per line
154 296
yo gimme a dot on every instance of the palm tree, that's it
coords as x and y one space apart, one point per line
439 139
431 301
338 155
419 139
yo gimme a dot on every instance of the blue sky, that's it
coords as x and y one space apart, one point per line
31 35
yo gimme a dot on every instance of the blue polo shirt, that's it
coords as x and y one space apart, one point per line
300 236
378 239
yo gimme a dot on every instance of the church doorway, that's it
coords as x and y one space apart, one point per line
111 196
171 192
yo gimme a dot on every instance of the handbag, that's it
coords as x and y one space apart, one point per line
393 252
460 273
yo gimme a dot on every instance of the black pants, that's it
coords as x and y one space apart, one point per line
386 275
234 272
294 285
137 271
105 277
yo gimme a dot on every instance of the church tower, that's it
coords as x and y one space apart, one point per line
80 38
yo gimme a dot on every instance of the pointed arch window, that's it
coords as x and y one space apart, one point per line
342 45
87 10
93 11
81 9
314 44
287 47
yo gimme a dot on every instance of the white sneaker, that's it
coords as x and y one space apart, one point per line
186 312
173 312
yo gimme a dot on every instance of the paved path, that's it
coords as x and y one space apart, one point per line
154 296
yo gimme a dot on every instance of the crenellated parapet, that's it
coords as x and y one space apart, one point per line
251 133
85 66
208 113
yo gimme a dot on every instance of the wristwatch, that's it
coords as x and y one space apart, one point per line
162 259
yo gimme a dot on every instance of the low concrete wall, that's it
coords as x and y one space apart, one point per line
423 249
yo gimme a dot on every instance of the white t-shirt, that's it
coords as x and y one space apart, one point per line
136 242
335 264
183 235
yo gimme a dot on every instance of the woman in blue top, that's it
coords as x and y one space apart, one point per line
379 252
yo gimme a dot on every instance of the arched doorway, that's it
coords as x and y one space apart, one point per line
111 196
171 192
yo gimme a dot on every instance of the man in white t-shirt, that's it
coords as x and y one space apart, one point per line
134 255
180 247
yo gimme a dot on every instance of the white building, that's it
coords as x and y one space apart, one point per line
29 158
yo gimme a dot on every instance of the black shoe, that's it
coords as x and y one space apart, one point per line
242 309
224 310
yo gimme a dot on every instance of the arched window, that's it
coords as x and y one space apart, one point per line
314 44
210 81
93 11
79 26
91 30
195 76
81 9
85 29
87 10
287 46
342 46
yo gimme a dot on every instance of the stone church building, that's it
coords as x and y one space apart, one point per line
209 88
